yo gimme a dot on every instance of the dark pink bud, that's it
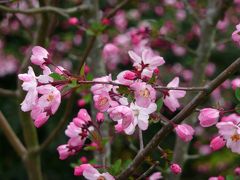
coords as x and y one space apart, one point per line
105 21
81 102
73 21
129 75
156 71
175 168
217 143
86 69
83 160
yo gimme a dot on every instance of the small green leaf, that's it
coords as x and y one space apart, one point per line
237 108
89 148
123 90
56 76
82 74
159 104
230 177
116 167
73 83
237 94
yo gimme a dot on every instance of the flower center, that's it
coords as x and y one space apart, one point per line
101 178
103 101
235 137
145 93
50 97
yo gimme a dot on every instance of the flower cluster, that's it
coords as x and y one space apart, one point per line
228 128
42 98
77 131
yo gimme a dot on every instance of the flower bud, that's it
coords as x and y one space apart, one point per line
208 117
217 143
100 117
175 168
185 132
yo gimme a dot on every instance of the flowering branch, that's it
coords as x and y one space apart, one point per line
184 113
11 136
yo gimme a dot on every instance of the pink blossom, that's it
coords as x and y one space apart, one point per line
29 79
181 14
76 134
83 160
122 114
100 117
111 55
82 118
235 35
45 78
91 173
234 118
141 117
237 171
65 151
99 88
39 56
144 94
175 168
208 117
102 101
171 99
185 132
78 170
155 176
178 50
217 143
235 83
126 77
81 102
120 20
217 178
210 69
147 62
231 133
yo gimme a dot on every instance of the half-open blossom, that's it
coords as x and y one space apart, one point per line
91 173
126 77
234 118
100 117
147 62
172 96
208 117
98 88
185 132
217 143
155 176
144 93
66 150
39 56
231 133
175 168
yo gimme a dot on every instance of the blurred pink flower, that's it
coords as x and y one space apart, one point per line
155 176
175 168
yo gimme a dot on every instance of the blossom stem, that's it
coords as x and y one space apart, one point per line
140 139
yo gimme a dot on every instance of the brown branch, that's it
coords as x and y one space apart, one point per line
8 93
146 173
45 9
184 113
12 137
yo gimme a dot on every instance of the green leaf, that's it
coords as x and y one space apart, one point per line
90 148
159 104
73 83
237 94
82 70
237 108
116 167
87 98
230 177
123 90
56 76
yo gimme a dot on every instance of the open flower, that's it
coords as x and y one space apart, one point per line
236 35
231 133
147 62
144 93
172 96
91 173
141 117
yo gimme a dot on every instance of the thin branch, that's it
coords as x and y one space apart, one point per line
191 11
8 93
141 139
60 11
181 88
12 137
183 114
146 173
